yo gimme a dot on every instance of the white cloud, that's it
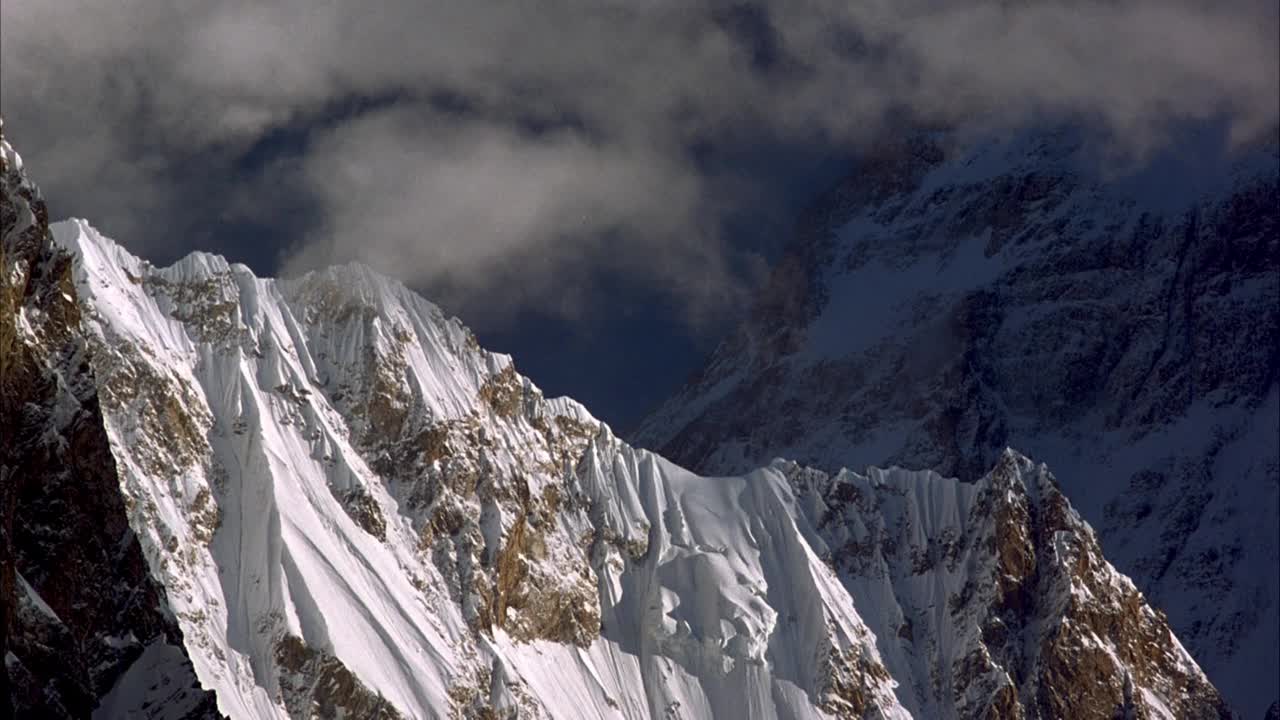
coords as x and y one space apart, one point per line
111 101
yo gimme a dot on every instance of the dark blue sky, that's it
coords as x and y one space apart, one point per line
627 348
634 347
628 155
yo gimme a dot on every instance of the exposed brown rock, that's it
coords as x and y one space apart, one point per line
504 392
1049 629
315 684
362 508
205 516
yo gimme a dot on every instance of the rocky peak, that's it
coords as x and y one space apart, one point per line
994 598
333 502
511 533
957 297
374 432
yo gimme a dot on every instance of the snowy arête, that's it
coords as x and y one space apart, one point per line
321 498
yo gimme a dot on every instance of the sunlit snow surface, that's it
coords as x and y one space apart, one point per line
223 389
251 369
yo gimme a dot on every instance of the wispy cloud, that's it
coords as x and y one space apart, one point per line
519 145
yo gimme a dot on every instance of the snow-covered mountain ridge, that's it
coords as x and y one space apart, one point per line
954 297
349 509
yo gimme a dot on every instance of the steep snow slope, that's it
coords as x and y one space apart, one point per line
352 506
952 298
355 511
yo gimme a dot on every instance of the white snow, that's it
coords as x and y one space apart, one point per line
714 595
150 687
721 616
29 595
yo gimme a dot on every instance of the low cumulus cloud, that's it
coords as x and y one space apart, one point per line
502 152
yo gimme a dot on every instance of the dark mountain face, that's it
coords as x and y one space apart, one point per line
80 609
951 299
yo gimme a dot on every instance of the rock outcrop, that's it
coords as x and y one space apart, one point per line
82 615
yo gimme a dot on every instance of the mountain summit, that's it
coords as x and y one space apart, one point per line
319 497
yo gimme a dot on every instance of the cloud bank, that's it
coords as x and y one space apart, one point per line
503 153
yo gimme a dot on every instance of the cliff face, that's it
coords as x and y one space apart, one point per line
319 497
352 506
952 298
81 612
992 598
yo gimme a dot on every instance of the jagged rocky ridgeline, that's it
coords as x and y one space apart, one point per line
953 297
320 497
